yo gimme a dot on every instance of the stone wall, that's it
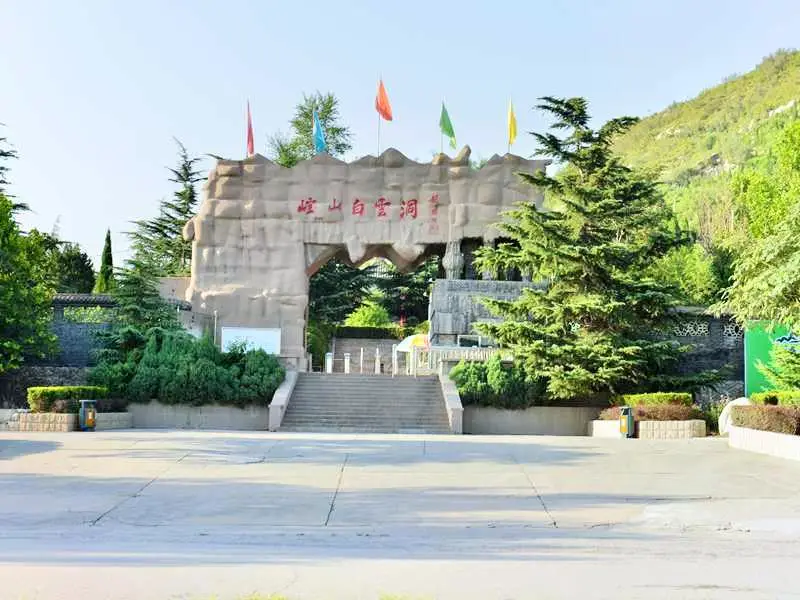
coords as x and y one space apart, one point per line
262 230
455 306
717 342
536 420
155 415
14 385
77 344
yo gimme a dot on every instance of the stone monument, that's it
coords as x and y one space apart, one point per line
262 230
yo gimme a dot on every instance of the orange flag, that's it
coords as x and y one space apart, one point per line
382 103
250 141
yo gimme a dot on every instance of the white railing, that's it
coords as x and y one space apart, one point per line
420 361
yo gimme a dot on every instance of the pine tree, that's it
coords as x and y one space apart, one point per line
139 304
105 279
406 295
159 241
300 145
592 329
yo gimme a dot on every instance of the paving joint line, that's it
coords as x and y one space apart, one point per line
336 491
536 491
136 493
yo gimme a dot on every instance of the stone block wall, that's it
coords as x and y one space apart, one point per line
14 385
670 430
41 422
455 305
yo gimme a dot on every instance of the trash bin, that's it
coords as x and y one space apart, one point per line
626 425
87 415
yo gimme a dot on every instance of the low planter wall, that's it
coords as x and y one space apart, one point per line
117 420
45 422
671 430
155 415
651 430
536 420
605 429
765 442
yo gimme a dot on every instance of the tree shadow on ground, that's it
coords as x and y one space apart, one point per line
15 448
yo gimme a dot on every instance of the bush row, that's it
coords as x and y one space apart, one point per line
656 412
777 419
175 368
777 397
493 383
42 399
655 399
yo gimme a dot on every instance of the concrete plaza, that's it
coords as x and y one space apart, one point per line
157 515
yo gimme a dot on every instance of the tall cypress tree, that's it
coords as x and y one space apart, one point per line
159 241
592 329
105 279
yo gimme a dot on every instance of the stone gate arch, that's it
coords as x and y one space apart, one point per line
263 229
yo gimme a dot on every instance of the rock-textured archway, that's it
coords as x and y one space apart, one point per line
262 229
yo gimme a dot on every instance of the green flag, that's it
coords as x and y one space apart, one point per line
447 127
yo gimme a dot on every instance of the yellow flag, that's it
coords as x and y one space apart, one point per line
512 125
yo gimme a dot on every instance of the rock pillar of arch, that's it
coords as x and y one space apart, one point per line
263 229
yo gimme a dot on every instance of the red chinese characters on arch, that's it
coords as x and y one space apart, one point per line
433 225
306 206
408 208
381 205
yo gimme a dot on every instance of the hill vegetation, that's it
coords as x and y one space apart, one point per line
720 156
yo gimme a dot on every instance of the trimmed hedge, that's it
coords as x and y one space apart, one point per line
657 412
777 419
655 399
777 398
63 398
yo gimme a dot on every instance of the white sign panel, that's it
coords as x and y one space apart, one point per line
268 340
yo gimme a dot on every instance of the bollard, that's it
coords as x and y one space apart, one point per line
347 362
377 361
394 360
361 362
329 362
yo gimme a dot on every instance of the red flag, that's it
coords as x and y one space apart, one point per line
382 103
250 143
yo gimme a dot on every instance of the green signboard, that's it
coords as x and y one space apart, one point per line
758 342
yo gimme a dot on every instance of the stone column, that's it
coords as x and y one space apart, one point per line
453 261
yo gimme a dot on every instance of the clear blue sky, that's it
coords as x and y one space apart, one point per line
93 91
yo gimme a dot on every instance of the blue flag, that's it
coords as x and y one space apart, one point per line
319 136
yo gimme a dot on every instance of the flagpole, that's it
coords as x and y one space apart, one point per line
379 134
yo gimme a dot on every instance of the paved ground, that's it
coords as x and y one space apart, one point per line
142 515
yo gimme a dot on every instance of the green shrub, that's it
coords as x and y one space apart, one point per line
777 397
778 419
41 399
655 412
175 368
493 383
369 314
655 399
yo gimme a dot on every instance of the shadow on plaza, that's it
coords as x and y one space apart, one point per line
16 448
224 447
174 522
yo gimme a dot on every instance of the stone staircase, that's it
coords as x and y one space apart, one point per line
366 403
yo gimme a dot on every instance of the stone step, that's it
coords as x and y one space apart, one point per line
366 403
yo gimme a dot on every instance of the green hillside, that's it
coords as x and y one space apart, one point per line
733 120
707 151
